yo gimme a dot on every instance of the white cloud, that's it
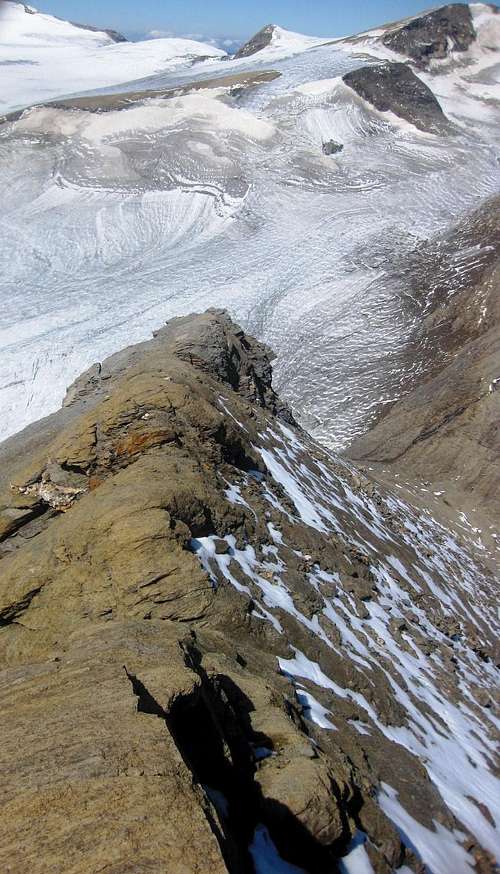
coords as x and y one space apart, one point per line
227 43
159 34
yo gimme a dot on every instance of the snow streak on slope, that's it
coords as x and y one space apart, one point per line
468 85
127 218
42 57
421 571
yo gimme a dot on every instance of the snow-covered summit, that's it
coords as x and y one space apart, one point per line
44 57
274 41
288 39
23 26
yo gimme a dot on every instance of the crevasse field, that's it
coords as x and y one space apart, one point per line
114 222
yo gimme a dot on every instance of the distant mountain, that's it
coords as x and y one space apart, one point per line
68 57
274 40
113 34
258 42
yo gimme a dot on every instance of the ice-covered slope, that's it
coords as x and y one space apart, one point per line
23 26
42 57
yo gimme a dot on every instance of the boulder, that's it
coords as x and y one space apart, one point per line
394 87
330 147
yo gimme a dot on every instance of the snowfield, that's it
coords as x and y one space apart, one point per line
42 58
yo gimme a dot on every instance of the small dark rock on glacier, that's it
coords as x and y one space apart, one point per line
332 148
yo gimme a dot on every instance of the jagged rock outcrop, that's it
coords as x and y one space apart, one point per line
434 35
258 42
217 641
445 427
394 87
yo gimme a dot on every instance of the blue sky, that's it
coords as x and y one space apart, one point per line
233 18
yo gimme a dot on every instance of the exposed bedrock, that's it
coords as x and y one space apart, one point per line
196 607
445 427
258 42
434 35
394 87
113 34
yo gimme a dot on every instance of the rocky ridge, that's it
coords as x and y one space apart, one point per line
113 34
394 87
220 644
258 42
445 427
433 36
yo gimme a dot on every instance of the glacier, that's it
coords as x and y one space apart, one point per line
113 222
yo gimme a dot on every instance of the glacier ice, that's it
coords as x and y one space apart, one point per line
115 222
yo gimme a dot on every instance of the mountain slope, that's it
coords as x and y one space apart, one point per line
453 50
435 35
22 25
445 427
274 41
43 57
221 645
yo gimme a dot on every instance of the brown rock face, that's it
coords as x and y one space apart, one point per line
100 783
196 606
445 429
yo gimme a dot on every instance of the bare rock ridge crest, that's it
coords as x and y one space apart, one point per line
259 41
215 637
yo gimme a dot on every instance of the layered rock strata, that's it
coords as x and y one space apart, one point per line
221 645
